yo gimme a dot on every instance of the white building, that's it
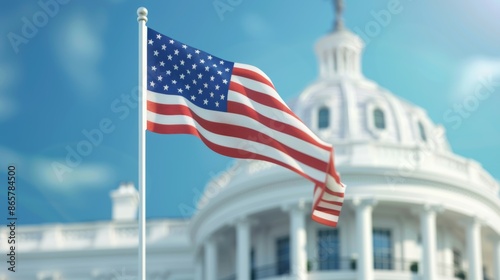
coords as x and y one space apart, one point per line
414 210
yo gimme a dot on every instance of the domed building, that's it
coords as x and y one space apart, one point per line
413 209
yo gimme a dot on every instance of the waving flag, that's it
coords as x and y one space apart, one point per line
235 110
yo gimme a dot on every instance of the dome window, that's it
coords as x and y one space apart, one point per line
421 129
323 117
379 118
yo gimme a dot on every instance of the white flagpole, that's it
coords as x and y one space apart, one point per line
142 19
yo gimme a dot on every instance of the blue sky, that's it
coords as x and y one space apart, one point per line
66 77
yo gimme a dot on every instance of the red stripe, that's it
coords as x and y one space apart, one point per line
250 74
328 211
338 194
242 109
239 132
262 98
324 221
227 151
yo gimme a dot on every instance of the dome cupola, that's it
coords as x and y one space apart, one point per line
339 53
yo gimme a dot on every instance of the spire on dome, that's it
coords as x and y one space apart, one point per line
339 9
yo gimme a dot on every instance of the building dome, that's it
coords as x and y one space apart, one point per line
343 106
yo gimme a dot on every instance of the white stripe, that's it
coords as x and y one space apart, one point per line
333 186
325 216
242 120
329 206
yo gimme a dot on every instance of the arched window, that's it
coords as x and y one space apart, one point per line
323 117
422 131
378 118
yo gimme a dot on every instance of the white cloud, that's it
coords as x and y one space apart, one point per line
480 73
79 49
57 176
40 172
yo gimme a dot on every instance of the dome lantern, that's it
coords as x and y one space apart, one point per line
339 53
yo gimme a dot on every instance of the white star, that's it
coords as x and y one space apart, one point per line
165 87
163 47
171 41
184 46
169 57
176 67
169 72
176 52
205 85
187 87
227 69
214 65
212 78
162 63
179 90
194 82
197 51
187 71
219 72
182 62
205 102
153 68
156 53
182 76
158 36
160 78
207 68
152 83
222 96
209 57
174 82
194 66
217 103
200 91
150 42
224 81
222 62
189 55
202 61
193 97
217 87
200 75
212 94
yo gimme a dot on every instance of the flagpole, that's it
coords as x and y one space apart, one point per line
142 19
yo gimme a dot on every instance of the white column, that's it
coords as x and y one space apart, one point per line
243 249
298 242
364 231
210 259
496 259
428 231
474 250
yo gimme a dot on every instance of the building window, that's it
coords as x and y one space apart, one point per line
382 249
323 117
379 118
421 129
329 249
283 255
457 264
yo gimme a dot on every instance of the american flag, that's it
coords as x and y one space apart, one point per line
235 110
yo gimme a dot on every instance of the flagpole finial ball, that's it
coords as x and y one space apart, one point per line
142 14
